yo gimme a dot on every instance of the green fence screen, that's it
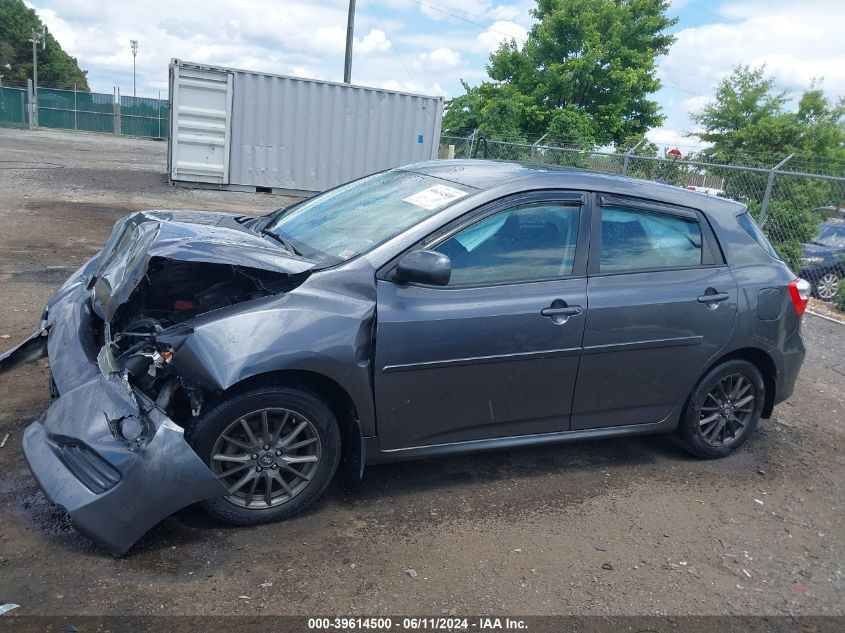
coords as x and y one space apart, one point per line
86 111
141 116
70 110
13 107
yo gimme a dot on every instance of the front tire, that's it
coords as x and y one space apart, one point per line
723 410
275 448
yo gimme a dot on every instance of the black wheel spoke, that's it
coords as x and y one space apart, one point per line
237 443
241 482
298 445
268 490
265 425
249 433
251 492
290 437
232 471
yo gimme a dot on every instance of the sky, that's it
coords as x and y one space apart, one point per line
428 46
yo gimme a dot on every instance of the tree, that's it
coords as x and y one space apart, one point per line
584 75
749 122
55 67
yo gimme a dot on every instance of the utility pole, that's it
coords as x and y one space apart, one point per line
350 32
134 45
39 36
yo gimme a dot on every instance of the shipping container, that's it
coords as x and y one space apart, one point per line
250 131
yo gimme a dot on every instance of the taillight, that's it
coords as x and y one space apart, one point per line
799 290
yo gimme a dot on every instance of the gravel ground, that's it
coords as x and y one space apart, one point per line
618 527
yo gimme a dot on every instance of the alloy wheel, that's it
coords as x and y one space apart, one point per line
827 286
727 410
266 458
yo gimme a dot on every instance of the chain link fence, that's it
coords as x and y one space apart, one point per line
801 211
85 111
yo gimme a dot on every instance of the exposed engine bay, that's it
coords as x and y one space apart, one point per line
171 293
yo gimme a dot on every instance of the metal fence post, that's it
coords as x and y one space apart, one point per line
628 154
470 141
75 109
117 110
33 107
536 143
767 194
158 113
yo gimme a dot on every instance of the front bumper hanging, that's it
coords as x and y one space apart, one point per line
107 454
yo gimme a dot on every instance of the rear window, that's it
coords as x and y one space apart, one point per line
750 226
637 240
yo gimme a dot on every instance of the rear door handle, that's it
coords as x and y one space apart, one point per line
569 311
714 298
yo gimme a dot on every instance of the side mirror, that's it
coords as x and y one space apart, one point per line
424 267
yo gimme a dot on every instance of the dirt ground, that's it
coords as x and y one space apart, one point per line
629 526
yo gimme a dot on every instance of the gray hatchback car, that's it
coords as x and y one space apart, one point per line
440 308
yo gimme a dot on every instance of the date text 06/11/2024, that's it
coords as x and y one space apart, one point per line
417 624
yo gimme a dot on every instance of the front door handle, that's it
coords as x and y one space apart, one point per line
714 298
569 311
559 312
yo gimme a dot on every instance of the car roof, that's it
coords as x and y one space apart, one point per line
486 174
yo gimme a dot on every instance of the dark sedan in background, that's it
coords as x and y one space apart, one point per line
823 261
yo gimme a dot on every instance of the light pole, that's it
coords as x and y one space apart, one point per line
39 36
350 31
134 45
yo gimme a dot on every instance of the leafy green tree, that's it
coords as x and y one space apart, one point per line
55 67
749 122
585 75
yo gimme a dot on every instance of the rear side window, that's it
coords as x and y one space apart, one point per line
635 239
750 226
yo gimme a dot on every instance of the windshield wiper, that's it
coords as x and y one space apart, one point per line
288 246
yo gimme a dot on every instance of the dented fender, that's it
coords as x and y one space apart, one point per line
308 329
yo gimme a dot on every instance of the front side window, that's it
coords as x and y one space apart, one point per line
523 243
635 240
355 218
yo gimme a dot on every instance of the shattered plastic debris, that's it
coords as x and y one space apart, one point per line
5 608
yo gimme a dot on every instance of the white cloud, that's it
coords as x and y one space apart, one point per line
499 32
374 42
438 59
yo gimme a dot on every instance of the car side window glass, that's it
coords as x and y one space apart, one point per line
524 243
632 239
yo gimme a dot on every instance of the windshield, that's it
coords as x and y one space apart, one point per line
831 235
354 218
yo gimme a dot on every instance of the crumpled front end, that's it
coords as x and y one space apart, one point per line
103 450
111 448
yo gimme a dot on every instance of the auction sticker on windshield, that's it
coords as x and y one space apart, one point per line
435 196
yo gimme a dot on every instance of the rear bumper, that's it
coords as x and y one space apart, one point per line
789 363
117 463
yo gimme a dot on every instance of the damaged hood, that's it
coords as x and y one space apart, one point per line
190 236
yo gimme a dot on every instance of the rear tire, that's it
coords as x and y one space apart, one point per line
275 448
826 286
723 410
